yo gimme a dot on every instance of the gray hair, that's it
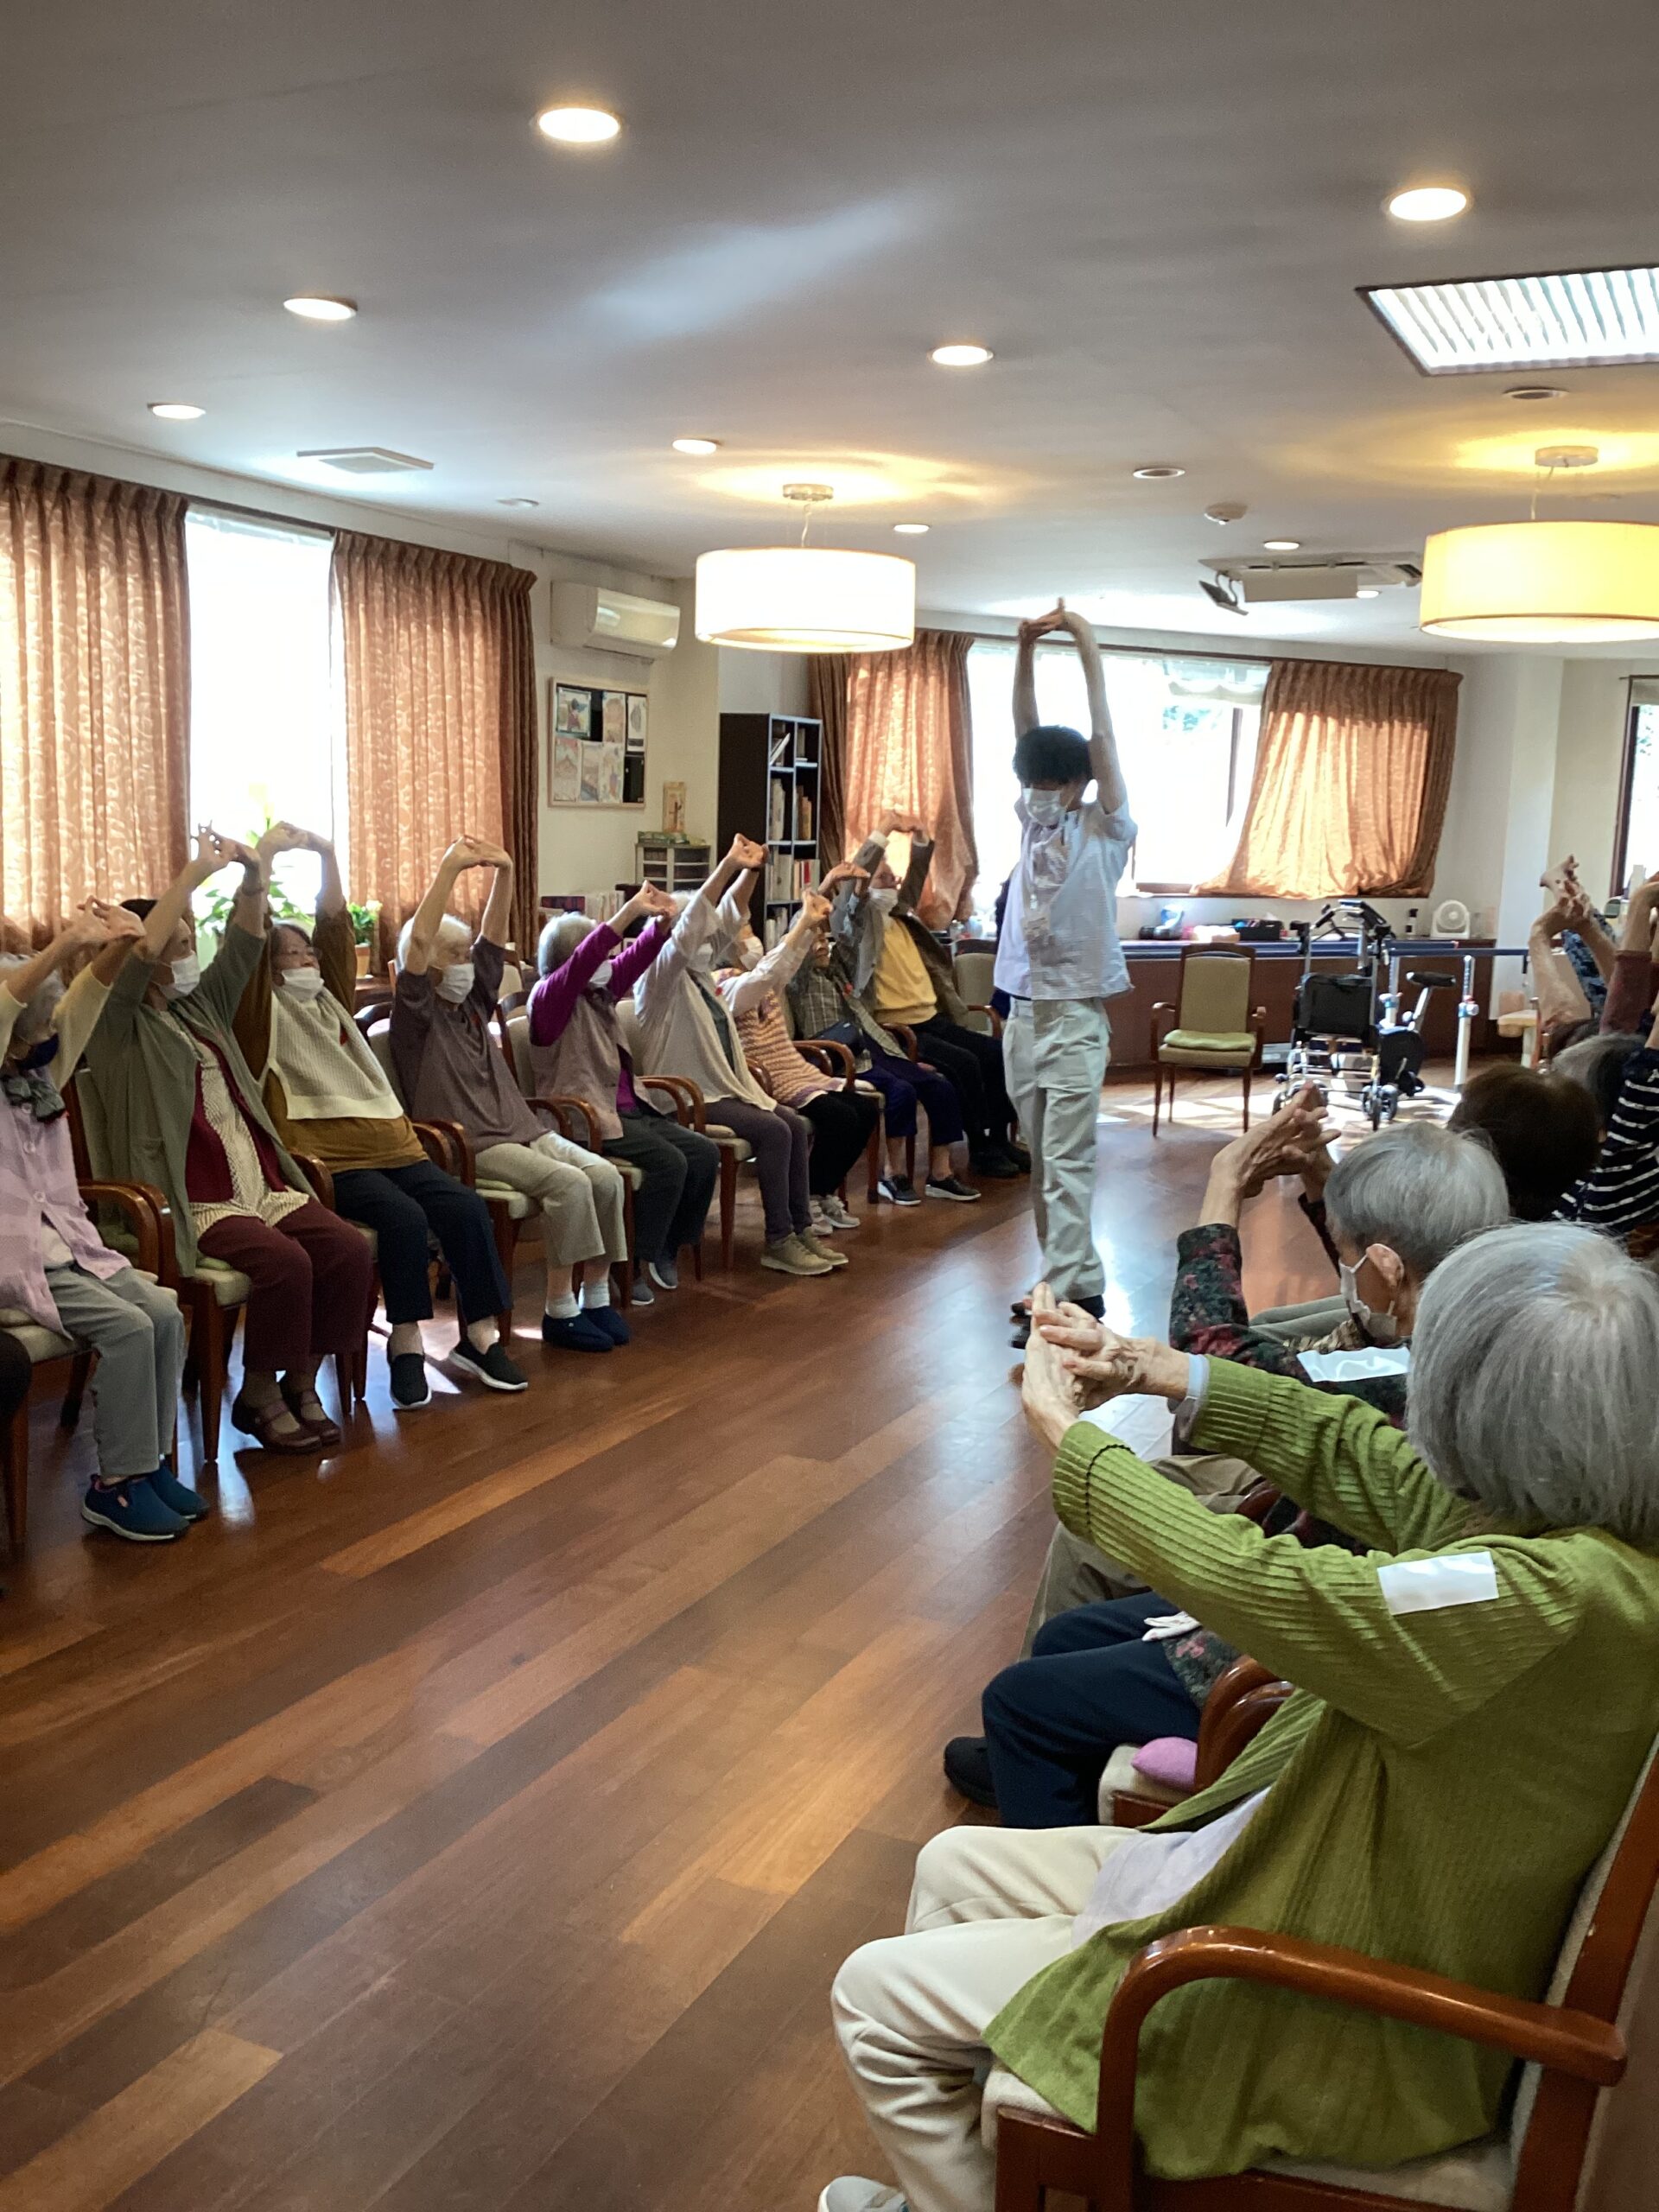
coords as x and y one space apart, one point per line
1596 1064
35 1022
1532 1380
559 940
1420 1190
406 934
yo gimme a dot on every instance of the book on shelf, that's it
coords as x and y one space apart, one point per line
777 811
779 750
803 816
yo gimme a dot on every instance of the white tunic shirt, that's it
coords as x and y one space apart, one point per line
1059 931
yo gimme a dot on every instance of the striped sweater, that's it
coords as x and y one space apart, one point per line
1437 1791
1621 1192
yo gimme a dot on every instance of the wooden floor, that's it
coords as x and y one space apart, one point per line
473 1822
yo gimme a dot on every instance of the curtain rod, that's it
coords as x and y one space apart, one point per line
1141 652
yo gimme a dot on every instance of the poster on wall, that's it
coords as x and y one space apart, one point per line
595 746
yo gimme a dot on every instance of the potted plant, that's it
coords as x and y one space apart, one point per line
364 922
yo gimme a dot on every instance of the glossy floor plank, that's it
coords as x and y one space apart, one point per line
474 1819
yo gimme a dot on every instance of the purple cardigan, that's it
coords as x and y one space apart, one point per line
555 1000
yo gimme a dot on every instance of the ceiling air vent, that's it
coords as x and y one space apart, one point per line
365 460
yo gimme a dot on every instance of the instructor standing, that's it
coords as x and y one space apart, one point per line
1059 959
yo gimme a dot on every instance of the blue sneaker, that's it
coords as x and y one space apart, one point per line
575 1332
133 1510
177 1497
607 1318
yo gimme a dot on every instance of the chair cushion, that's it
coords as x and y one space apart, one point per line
1476 2179
1122 1773
40 1344
231 1286
519 1208
729 1140
1195 1048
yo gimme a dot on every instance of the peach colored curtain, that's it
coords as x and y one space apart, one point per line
94 692
826 701
1352 772
910 747
439 680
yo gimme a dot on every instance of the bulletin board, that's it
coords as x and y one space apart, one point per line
595 746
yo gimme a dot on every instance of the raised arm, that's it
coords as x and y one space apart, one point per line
1026 713
743 992
1111 788
465 853
1560 994
1634 978
697 923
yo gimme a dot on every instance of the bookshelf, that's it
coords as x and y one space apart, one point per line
769 788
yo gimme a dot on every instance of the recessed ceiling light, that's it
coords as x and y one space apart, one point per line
517 503
1281 545
697 445
578 126
176 410
1566 319
1157 472
911 528
1366 591
1534 391
965 355
1428 203
313 306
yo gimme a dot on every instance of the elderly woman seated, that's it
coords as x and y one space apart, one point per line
452 1070
575 1050
328 1096
842 1120
54 1266
1432 1794
1103 1669
179 1107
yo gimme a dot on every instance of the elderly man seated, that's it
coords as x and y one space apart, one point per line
54 1266
451 1069
1510 1587
1129 1668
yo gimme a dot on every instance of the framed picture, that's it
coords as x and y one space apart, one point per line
595 746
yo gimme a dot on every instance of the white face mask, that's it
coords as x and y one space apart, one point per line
884 901
456 981
601 975
1380 1328
304 984
186 974
1046 808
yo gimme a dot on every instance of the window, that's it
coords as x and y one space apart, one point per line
1186 732
1636 843
264 725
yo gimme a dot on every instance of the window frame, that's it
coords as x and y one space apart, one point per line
1633 707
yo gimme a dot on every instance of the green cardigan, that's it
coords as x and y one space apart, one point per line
1440 1791
142 1071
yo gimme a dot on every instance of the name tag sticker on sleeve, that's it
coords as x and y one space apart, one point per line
1427 1586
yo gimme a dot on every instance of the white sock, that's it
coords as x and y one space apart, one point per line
561 1306
405 1337
482 1334
598 1292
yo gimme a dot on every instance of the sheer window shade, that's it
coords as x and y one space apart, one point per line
94 696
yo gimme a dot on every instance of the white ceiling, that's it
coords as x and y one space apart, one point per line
1156 214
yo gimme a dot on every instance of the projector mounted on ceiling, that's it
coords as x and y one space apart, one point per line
1261 583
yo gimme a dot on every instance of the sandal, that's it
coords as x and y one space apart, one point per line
257 1421
326 1432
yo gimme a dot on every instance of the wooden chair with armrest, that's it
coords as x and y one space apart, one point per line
1582 2136
146 1243
1244 1699
836 1059
690 1109
1211 1025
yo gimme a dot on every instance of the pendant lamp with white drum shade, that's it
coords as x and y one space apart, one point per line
1544 584
802 599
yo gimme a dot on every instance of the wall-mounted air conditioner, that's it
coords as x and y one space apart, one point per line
590 617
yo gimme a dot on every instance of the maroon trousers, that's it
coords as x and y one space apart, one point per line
312 1275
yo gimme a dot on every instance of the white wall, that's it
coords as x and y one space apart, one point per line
1595 702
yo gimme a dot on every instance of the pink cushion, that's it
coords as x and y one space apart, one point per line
1170 1760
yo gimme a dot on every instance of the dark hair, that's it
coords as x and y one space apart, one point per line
1052 754
142 907
1596 1064
1542 1128
1569 1034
